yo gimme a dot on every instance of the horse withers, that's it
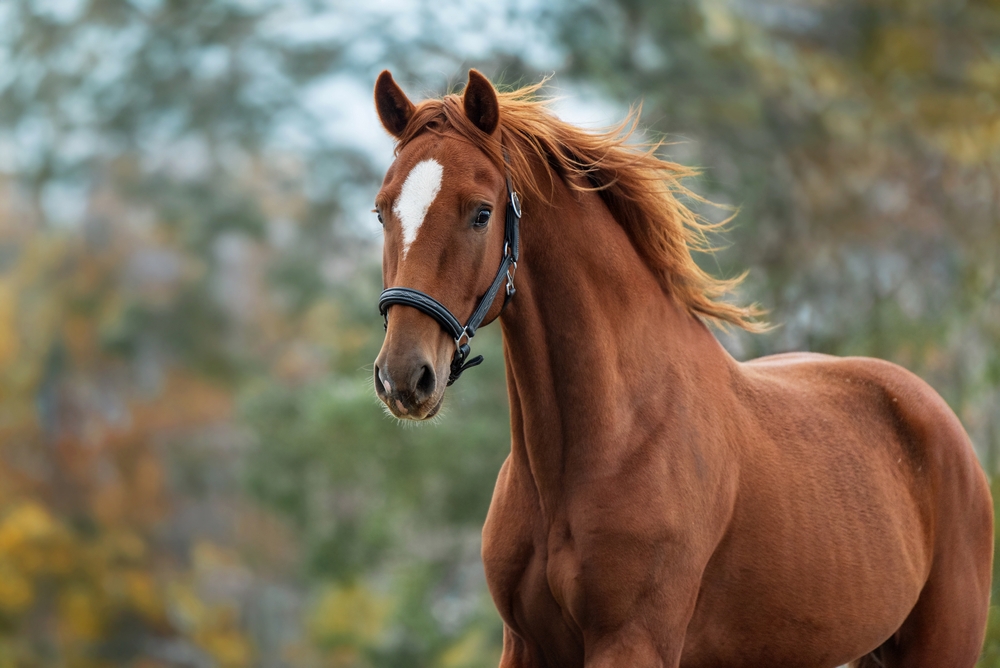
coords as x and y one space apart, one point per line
662 503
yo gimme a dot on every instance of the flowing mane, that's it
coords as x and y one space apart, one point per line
641 190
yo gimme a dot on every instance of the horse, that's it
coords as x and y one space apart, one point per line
662 503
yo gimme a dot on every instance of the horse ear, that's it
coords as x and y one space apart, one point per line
480 102
394 109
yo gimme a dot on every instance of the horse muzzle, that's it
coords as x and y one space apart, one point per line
409 386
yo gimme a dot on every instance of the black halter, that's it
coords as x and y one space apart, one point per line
449 323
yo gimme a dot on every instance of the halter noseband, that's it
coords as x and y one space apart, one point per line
449 323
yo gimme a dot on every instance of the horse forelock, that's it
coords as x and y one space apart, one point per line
643 191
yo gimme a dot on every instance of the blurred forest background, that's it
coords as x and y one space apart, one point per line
194 470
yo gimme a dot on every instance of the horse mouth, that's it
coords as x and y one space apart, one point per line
414 414
434 411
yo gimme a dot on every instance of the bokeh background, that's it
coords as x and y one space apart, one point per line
194 470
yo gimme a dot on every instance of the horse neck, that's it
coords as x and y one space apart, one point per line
600 359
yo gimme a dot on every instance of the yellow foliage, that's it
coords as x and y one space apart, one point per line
468 652
188 611
905 49
28 522
33 540
352 615
144 596
125 546
81 612
16 591
719 24
227 645
970 143
9 343
215 628
984 73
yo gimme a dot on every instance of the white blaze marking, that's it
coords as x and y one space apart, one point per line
419 190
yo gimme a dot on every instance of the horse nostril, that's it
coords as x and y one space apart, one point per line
426 382
379 387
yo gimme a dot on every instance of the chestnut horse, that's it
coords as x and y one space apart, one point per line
662 503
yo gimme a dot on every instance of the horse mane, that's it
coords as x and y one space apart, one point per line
641 190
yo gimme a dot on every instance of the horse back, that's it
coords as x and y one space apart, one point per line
895 429
876 406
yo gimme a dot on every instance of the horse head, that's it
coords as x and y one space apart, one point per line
445 208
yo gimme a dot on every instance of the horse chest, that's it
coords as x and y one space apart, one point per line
553 585
533 586
532 574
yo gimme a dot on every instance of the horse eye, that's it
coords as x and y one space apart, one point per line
482 218
379 214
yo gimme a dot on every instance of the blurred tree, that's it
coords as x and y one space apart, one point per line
82 481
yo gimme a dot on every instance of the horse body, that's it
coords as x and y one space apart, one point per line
665 505
652 477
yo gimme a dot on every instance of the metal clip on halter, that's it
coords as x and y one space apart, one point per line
449 323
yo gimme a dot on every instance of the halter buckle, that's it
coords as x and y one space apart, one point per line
515 202
458 341
510 279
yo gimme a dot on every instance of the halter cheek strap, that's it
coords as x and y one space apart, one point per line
449 323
